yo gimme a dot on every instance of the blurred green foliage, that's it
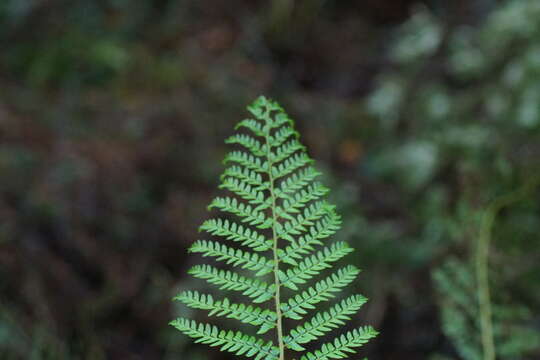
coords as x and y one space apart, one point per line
461 104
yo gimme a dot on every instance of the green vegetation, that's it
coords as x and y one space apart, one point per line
424 120
474 112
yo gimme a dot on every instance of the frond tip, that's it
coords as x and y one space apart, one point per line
274 228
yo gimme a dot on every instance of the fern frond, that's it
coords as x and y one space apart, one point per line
236 232
247 160
323 290
278 208
304 244
227 280
312 265
280 119
282 135
247 314
290 165
235 257
253 125
250 143
342 345
251 177
285 150
292 204
301 222
233 342
246 192
324 322
261 108
297 181
247 213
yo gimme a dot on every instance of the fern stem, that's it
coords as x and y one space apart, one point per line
279 321
482 263
483 291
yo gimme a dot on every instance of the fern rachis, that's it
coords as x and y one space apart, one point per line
278 216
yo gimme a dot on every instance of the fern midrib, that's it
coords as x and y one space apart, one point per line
279 322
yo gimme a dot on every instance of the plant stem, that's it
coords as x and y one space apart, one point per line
279 322
482 278
482 263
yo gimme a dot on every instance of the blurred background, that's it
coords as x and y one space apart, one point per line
423 115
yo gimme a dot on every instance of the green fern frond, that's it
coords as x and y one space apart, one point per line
227 280
304 244
312 265
276 211
281 117
342 345
250 177
236 232
281 136
324 322
246 160
247 213
292 204
323 290
233 342
460 315
290 164
285 150
253 125
301 223
250 143
297 181
246 314
235 257
245 191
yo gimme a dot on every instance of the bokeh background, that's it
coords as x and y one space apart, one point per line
424 116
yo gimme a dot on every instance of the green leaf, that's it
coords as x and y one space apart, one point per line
297 181
233 342
324 322
323 290
227 280
247 314
235 257
292 204
342 345
304 244
252 195
250 143
282 135
247 160
247 213
250 177
300 223
290 165
286 150
312 265
238 233
253 125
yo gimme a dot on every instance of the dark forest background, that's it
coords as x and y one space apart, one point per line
423 115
